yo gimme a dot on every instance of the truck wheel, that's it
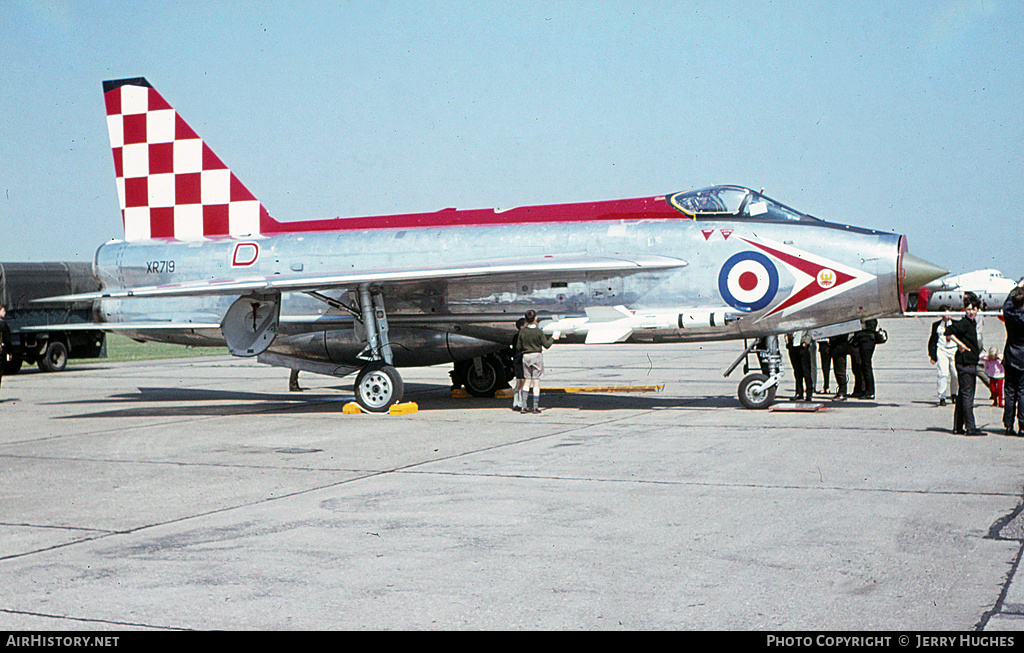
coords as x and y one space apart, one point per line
54 358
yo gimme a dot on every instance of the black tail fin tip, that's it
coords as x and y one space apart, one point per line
130 81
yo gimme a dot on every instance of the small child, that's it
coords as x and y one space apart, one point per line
994 371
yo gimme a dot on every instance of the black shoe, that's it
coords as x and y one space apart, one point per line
866 397
958 431
974 432
1009 431
942 401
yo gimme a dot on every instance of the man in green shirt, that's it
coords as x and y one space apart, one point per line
532 342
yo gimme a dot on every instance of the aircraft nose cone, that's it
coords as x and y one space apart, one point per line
917 272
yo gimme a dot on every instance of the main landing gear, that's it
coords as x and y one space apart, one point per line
482 376
378 385
757 390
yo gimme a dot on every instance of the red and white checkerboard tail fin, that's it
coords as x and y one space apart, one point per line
171 185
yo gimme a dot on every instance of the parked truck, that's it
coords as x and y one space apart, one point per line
45 333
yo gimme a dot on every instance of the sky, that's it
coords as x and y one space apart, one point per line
904 117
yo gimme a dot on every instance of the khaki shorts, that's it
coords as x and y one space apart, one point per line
533 365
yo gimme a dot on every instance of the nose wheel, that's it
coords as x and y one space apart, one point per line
756 392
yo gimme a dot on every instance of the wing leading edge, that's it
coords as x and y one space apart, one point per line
491 270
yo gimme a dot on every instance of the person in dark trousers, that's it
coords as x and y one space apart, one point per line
1013 360
839 349
826 364
532 342
800 357
863 343
858 378
518 394
964 332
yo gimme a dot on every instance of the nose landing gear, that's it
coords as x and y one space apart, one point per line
757 390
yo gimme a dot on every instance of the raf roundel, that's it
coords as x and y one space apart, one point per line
748 281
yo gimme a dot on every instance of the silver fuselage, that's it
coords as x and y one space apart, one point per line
444 320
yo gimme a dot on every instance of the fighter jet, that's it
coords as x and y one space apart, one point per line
202 262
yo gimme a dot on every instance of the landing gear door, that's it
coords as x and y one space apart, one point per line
251 324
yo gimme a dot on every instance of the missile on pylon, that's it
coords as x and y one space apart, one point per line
610 324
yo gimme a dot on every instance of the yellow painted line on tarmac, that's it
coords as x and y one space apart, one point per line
505 393
603 388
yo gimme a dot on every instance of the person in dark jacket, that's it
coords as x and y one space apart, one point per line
964 332
1013 360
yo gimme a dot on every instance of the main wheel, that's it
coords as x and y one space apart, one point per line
485 382
378 387
54 358
752 393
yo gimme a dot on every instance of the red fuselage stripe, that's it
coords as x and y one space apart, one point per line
638 209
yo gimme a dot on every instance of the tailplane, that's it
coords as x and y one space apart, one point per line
170 184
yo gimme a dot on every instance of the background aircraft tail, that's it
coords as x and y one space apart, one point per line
170 184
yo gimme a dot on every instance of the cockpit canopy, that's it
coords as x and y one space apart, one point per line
733 202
